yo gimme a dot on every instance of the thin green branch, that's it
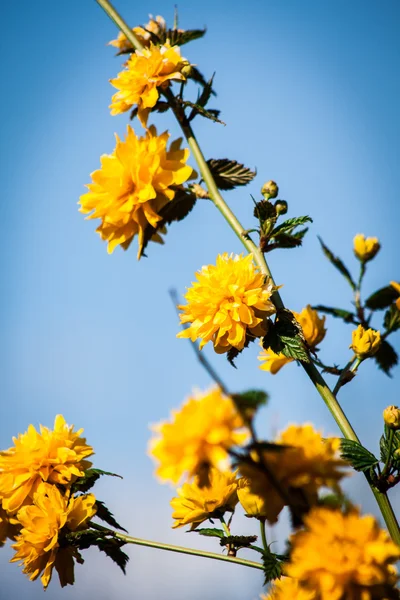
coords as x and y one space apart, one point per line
264 536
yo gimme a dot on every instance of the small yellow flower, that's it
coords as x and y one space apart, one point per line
396 286
196 504
307 463
198 437
365 342
144 73
142 33
314 331
9 528
391 416
288 588
343 556
253 504
134 183
39 546
228 302
57 456
365 248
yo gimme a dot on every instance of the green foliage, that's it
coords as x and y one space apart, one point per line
202 98
179 38
109 545
285 336
272 567
359 457
252 399
346 315
386 357
384 444
210 532
211 114
290 224
199 78
105 515
85 483
337 262
229 174
381 298
238 541
391 320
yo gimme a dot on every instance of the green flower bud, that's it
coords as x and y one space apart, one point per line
281 207
270 190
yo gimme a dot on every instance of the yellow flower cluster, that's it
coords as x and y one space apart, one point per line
314 331
229 302
143 34
133 185
146 72
36 505
306 463
197 438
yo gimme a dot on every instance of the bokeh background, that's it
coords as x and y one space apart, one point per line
310 93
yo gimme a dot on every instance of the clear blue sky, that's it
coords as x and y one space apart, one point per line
310 94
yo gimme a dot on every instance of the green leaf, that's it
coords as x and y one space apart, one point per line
288 225
209 532
228 174
109 545
381 298
85 483
179 37
252 399
359 457
238 541
203 98
112 548
283 240
384 445
391 320
285 336
338 264
272 567
264 210
386 357
199 78
211 114
346 315
300 234
105 515
233 353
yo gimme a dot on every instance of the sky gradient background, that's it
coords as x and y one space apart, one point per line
310 93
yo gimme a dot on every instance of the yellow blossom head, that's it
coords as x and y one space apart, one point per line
396 286
39 546
365 342
391 416
314 331
307 463
343 556
134 183
8 528
365 248
288 588
196 504
145 73
57 456
253 504
229 302
155 26
197 437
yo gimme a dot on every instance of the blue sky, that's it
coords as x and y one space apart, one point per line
310 93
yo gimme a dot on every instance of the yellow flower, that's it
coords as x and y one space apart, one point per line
391 416
288 588
57 456
365 248
198 437
314 331
40 547
134 183
8 529
253 504
228 302
343 556
144 73
307 463
365 342
396 286
142 33
196 504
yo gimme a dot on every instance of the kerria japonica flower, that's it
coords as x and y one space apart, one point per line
197 438
143 34
133 185
228 304
313 327
56 456
365 249
146 72
288 588
365 342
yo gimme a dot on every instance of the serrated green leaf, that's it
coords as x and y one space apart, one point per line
238 541
283 240
346 315
391 320
359 457
300 234
386 357
264 210
85 483
381 298
199 78
112 548
338 263
105 515
202 98
288 225
210 532
251 399
272 567
180 37
211 114
384 445
285 337
229 174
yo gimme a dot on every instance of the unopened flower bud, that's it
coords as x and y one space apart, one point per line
365 248
270 190
187 70
281 207
391 416
365 342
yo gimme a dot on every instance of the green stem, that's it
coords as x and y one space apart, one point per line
389 453
264 536
313 373
225 526
351 367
